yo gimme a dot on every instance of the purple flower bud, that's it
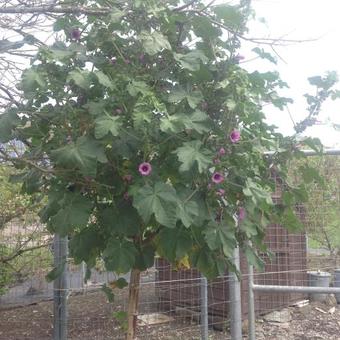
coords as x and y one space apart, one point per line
75 34
235 136
127 178
221 152
217 178
238 58
145 169
217 161
241 213
220 192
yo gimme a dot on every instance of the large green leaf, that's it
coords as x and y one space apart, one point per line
80 78
107 124
257 193
231 16
123 220
32 79
74 213
119 255
104 80
220 235
197 121
159 200
136 87
8 122
154 42
82 155
85 246
174 244
188 208
193 97
191 154
192 60
203 27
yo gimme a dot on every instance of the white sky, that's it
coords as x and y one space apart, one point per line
302 19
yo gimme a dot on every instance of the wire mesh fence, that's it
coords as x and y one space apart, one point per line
171 299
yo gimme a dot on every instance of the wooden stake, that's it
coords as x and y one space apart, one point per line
133 304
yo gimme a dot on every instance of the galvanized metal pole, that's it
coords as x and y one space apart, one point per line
251 304
60 289
295 289
235 299
204 308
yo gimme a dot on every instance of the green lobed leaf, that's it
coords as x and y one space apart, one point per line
174 244
154 42
221 235
192 154
192 60
264 55
119 256
193 97
104 80
8 121
124 220
107 124
80 78
74 213
82 155
32 79
159 200
197 121
136 87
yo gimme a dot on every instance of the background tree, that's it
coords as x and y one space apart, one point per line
147 135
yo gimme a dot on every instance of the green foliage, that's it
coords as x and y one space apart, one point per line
148 83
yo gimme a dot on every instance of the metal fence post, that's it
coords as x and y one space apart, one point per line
204 308
235 299
60 289
251 304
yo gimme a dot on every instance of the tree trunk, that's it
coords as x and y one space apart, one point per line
132 311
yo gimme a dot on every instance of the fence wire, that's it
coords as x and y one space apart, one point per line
171 299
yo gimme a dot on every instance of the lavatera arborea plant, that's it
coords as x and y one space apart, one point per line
148 138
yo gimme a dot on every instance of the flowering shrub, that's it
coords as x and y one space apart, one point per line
136 120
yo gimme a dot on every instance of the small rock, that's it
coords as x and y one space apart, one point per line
282 316
332 310
330 300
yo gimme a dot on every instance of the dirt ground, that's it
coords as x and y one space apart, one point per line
91 317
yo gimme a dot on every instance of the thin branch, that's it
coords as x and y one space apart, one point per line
55 9
181 8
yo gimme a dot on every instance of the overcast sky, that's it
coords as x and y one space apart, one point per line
317 20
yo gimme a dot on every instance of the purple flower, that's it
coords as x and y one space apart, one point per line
241 213
220 192
145 169
221 152
217 161
127 178
238 58
235 136
75 34
217 178
113 60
